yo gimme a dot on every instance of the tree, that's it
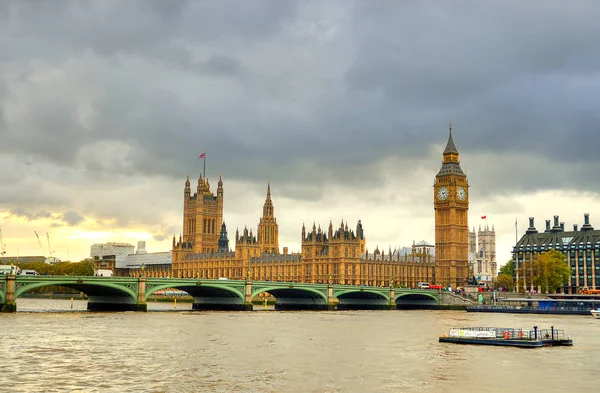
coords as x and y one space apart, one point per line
506 276
550 271
83 268
505 281
508 268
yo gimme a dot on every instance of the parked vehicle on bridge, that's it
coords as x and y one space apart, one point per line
29 272
103 273
587 291
423 285
10 269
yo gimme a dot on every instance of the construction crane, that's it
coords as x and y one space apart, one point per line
50 253
39 242
2 243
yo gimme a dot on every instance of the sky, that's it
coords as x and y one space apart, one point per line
105 107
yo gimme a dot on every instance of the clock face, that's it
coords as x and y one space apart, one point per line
442 193
461 194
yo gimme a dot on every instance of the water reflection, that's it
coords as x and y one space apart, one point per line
353 351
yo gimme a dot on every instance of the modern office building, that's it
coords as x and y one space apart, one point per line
124 260
581 248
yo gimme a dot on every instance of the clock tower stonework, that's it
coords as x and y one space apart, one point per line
451 205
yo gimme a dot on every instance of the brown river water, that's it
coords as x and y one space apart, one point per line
47 347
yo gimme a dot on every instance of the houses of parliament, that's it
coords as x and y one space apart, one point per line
337 254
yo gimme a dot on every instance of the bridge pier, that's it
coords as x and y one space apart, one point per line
248 296
140 304
331 306
9 296
392 299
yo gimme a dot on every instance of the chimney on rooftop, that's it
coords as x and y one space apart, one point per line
562 226
547 225
141 247
574 227
586 226
531 228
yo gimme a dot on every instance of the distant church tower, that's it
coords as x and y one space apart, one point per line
451 205
268 230
486 240
482 254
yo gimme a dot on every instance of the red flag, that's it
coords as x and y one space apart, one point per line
483 217
202 155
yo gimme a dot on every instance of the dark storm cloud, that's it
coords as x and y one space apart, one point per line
30 216
301 92
72 218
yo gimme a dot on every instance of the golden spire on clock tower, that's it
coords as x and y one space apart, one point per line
451 205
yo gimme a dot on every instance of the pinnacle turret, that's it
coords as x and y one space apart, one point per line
450 147
268 206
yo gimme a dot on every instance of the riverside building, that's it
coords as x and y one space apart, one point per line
338 254
581 248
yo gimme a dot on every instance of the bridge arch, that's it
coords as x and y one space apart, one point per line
416 300
103 295
362 299
290 297
87 287
198 290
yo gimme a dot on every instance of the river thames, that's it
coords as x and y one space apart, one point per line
47 347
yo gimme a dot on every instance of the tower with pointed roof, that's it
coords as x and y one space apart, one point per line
451 206
202 220
223 240
268 231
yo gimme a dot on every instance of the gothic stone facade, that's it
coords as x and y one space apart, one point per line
338 256
482 254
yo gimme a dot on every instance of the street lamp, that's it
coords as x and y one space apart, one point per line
143 265
248 274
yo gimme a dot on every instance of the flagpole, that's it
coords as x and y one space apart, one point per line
204 161
516 257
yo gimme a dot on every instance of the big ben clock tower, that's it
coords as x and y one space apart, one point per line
451 205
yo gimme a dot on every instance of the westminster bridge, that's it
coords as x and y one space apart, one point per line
131 293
